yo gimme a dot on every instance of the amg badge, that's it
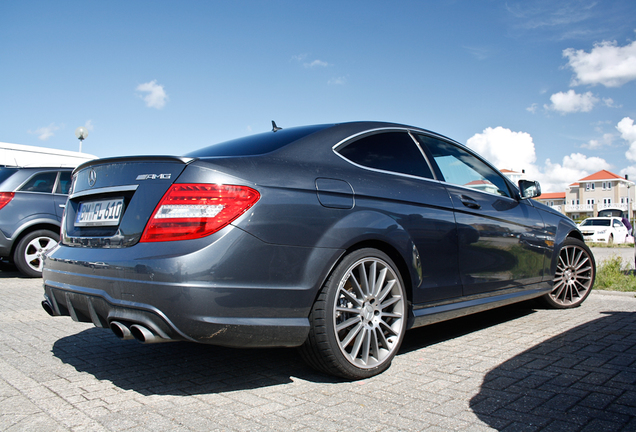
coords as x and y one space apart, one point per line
153 176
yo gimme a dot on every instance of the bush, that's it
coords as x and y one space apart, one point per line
614 275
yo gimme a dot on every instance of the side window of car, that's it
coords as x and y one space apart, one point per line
617 224
388 151
41 182
65 183
464 169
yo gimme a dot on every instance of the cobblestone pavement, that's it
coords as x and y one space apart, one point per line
515 369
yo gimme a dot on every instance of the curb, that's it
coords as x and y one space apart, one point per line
614 293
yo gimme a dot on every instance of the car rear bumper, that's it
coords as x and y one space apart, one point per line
595 238
5 246
195 294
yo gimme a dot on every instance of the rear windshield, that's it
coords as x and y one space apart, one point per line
257 144
596 222
5 173
607 213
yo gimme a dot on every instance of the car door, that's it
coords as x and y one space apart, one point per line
400 181
500 235
620 231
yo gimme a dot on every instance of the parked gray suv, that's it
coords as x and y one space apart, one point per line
32 202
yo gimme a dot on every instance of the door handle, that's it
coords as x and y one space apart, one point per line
469 202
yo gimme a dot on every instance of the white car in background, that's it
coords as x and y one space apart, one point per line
608 230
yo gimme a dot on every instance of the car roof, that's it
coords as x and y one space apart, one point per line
310 138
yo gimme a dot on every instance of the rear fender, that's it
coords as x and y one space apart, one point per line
374 227
34 222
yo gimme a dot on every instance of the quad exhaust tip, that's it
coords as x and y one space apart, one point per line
135 331
48 307
121 330
143 335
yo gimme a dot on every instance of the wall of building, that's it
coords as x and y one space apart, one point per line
24 156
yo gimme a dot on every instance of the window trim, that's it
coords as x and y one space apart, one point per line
439 178
360 135
513 189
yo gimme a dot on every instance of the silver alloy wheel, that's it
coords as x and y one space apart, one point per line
36 249
369 313
574 276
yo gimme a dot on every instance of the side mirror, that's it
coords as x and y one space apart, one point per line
529 189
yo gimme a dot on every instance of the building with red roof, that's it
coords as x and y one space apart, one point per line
601 190
556 200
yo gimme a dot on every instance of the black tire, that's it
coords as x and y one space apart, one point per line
574 276
610 240
28 254
356 330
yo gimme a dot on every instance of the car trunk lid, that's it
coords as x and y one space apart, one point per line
112 199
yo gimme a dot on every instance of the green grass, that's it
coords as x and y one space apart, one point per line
614 275
605 245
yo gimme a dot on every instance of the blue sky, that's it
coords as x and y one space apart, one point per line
545 86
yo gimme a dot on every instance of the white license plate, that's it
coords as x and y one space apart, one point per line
100 213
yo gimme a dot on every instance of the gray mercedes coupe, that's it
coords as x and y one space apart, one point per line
332 238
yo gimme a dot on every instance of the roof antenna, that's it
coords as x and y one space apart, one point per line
274 127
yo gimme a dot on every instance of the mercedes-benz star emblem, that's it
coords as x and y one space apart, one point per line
92 177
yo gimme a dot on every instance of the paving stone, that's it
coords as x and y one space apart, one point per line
514 369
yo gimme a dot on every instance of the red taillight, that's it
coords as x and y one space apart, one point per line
191 211
5 197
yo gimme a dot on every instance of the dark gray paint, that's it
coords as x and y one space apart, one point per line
254 282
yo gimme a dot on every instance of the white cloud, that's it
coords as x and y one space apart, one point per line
45 132
556 177
156 96
606 64
609 102
533 108
628 132
315 63
337 81
480 53
89 125
606 140
504 148
516 151
572 102
300 58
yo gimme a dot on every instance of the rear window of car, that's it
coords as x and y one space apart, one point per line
41 182
257 144
5 173
389 151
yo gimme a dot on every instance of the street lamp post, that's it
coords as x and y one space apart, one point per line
81 133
